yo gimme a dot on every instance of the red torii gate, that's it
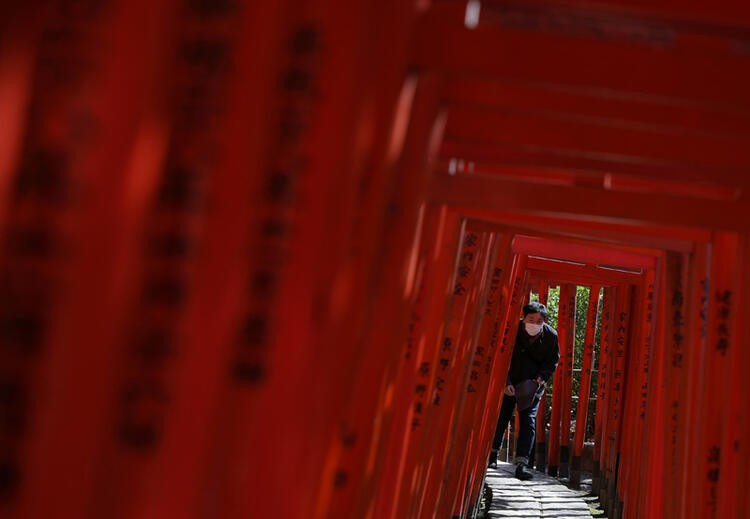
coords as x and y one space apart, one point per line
234 245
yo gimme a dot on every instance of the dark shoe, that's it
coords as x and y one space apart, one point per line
493 459
523 473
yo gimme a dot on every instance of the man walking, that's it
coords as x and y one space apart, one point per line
535 357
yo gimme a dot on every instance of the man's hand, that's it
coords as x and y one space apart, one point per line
510 390
540 381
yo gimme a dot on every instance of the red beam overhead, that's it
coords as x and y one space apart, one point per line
591 273
628 256
628 234
583 253
595 104
579 162
646 184
622 140
696 17
596 205
442 42
554 278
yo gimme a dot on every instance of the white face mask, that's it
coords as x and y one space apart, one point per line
533 329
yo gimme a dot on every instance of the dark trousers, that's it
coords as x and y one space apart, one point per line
527 422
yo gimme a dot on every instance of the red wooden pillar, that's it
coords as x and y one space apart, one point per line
309 159
436 299
614 432
507 330
710 453
436 264
557 400
698 297
739 499
636 398
631 403
460 485
674 313
81 149
465 291
585 386
450 305
485 420
602 388
459 440
543 292
566 334
368 408
456 380
651 496
733 472
540 449
18 52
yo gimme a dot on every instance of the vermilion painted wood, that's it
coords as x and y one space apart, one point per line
673 307
566 333
570 134
644 399
741 498
584 384
432 267
650 496
466 444
634 354
504 352
220 304
444 257
557 402
558 269
382 349
650 71
732 470
614 431
18 50
458 444
392 135
698 296
603 391
492 377
612 171
485 192
585 104
572 250
452 343
620 233
541 417
722 308
724 11
63 278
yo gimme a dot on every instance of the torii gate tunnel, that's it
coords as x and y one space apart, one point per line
266 258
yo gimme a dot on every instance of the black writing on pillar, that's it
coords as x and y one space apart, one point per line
298 94
703 312
420 395
723 300
60 127
203 65
712 476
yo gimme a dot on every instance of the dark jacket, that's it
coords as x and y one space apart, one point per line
534 359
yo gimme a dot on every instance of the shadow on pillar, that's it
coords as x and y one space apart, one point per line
575 472
595 479
564 461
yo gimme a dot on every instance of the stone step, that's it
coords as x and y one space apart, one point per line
541 497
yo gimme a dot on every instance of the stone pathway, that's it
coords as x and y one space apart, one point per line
543 496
